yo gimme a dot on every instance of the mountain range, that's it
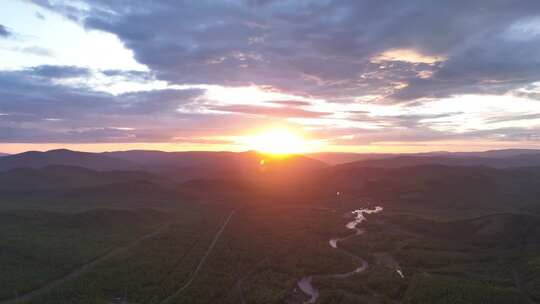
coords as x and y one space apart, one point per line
188 165
335 158
449 180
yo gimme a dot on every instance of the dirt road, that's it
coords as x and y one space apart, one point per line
201 263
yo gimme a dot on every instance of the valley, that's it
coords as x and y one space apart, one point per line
106 236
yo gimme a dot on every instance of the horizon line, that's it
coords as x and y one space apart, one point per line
261 152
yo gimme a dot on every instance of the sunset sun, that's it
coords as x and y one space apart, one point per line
277 141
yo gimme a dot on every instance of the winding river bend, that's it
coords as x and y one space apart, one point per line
305 284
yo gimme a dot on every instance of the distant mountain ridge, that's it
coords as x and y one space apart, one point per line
35 159
512 161
506 178
200 164
178 165
336 158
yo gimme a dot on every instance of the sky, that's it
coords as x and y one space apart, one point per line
344 75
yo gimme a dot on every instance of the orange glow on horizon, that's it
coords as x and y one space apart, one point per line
277 142
239 146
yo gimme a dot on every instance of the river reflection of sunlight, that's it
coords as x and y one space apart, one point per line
360 216
305 284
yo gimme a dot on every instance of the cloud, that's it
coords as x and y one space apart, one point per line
406 136
4 32
30 100
198 140
39 16
284 112
506 118
54 71
328 49
156 101
292 103
406 55
401 121
358 71
129 74
35 107
82 135
35 50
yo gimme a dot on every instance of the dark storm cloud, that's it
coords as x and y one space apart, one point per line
325 48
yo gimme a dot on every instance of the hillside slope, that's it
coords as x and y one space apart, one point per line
35 159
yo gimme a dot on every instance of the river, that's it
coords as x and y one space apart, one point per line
305 284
